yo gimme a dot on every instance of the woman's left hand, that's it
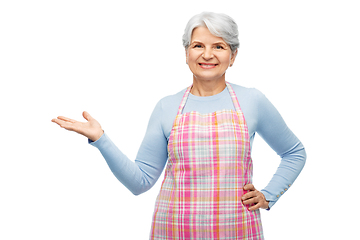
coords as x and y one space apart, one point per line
254 197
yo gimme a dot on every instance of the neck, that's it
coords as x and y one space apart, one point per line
207 88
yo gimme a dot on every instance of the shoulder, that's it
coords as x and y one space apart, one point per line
166 110
167 107
246 94
171 102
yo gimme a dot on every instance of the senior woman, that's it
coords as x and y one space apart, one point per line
205 134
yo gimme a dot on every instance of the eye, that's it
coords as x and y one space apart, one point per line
218 47
197 46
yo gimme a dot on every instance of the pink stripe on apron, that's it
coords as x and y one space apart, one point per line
209 162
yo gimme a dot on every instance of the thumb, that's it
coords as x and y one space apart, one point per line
249 187
87 116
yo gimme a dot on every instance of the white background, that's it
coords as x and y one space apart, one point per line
117 59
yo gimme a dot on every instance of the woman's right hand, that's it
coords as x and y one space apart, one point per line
90 129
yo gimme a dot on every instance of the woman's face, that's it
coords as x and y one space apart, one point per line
208 56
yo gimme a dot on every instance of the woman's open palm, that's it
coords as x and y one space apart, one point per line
90 129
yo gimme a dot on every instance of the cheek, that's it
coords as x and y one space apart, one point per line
190 54
191 58
194 55
227 60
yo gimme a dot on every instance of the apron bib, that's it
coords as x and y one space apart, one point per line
209 162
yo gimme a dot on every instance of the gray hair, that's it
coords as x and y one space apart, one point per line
219 24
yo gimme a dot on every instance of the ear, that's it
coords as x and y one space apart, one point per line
186 55
232 58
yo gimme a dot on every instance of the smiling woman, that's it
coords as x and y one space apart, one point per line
208 58
204 136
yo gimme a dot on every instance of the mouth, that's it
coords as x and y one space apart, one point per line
207 65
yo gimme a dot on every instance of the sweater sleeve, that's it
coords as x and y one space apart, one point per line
272 128
139 175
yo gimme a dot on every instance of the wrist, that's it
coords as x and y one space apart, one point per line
97 136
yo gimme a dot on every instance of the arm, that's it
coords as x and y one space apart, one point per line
272 128
141 175
138 176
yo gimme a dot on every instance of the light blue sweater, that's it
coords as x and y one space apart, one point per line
260 115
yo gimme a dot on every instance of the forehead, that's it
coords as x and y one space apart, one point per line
202 34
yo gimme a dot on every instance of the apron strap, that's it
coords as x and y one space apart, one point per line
183 101
233 97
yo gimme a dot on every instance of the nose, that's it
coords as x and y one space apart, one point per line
207 54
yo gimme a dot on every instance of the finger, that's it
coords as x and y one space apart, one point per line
255 207
249 195
253 200
249 187
58 121
87 116
64 124
54 120
66 119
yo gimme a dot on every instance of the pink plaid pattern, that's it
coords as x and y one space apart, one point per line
209 163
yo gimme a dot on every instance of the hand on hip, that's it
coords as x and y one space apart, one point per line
254 197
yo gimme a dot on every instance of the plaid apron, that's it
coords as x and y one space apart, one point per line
209 162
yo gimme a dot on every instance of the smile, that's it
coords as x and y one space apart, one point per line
207 65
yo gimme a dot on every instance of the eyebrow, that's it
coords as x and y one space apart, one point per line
196 41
